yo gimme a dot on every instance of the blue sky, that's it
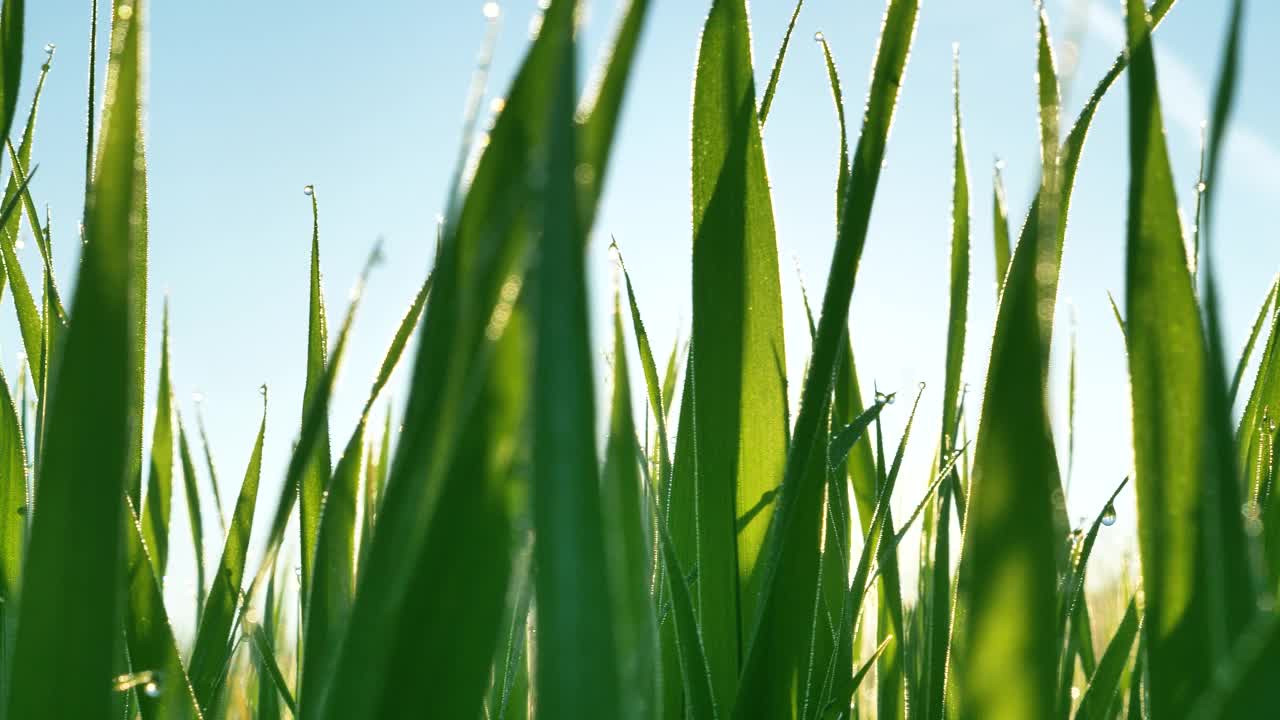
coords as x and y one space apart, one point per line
249 101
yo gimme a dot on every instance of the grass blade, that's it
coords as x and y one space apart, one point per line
67 633
1000 225
14 511
29 322
194 517
208 461
757 694
628 552
1247 352
11 33
210 654
767 101
738 356
156 511
265 654
1192 549
1097 701
12 226
313 482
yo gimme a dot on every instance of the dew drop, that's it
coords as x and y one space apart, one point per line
308 190
999 164
883 399
50 47
1109 515
497 105
1075 693
1201 187
819 37
125 12
151 689
492 10
20 244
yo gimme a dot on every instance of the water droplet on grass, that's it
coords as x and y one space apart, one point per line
50 47
819 37
151 689
1109 515
308 190
492 10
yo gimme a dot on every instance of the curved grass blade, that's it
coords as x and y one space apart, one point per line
264 653
12 226
213 638
602 106
313 482
67 632
1247 352
1195 573
1104 687
757 693
835 709
738 356
767 101
628 552
156 510
29 322
1000 225
152 647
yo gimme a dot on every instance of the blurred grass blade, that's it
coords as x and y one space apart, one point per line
209 655
152 647
767 101
1247 352
738 357
195 518
1099 697
11 33
622 501
759 692
577 665
451 466
156 510
602 107
312 483
1194 563
1000 225
264 652
68 632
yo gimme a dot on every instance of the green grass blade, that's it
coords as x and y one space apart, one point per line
1195 577
209 655
29 322
208 462
1247 352
1104 686
152 647
447 476
195 517
312 484
738 356
938 596
14 512
1000 225
67 632
602 107
576 660
669 380
891 57
28 135
657 399
849 686
264 652
622 500
156 511
837 97
268 698
766 102
11 33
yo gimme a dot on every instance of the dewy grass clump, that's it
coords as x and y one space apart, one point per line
733 562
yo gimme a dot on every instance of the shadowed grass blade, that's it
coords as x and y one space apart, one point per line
738 357
159 498
759 694
313 482
152 647
209 656
1104 686
623 502
68 629
1195 577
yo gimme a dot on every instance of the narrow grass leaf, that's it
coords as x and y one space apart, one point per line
1247 352
1000 224
195 518
159 498
67 632
15 510
312 483
766 102
1104 686
209 655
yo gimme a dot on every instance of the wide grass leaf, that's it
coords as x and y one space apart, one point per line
68 632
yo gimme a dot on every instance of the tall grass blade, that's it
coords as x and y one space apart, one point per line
15 510
159 498
195 518
628 549
1195 575
313 482
759 694
29 322
264 653
13 225
68 632
766 102
1247 352
11 34
738 356
208 462
213 638
1099 697
1000 225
